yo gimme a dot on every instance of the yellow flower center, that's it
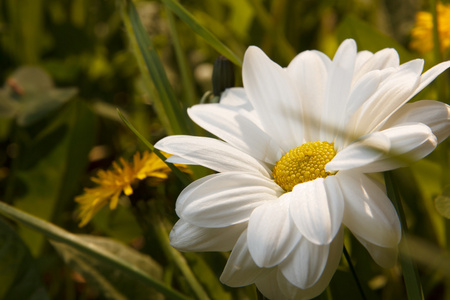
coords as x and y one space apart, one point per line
304 163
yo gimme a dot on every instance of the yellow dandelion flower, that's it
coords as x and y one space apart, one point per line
112 183
422 33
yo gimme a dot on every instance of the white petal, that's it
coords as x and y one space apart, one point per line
384 257
236 97
337 89
386 150
361 58
362 152
386 58
191 238
424 80
240 269
211 153
187 191
178 160
304 266
309 73
434 114
226 199
392 93
274 98
334 256
430 75
368 211
317 208
361 91
268 285
237 130
271 233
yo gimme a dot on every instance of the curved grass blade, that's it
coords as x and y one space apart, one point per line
58 234
211 39
174 118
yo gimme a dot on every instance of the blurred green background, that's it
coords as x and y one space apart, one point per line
66 65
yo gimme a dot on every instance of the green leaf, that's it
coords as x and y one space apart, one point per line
19 276
211 39
46 172
58 234
369 38
29 95
112 284
170 111
442 203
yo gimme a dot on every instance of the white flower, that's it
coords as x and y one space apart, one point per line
282 216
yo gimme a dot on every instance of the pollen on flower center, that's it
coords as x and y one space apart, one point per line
303 163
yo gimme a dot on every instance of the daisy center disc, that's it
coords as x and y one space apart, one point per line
304 163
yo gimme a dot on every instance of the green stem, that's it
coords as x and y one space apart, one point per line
269 24
438 55
175 256
186 76
355 276
410 273
60 235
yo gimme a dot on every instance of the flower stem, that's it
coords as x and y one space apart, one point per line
352 269
410 273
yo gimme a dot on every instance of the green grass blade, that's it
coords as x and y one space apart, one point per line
410 273
211 39
60 235
174 117
185 70
184 179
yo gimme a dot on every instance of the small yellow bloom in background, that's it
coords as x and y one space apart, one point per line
120 179
422 33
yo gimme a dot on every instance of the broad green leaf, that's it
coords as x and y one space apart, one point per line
19 276
189 19
117 263
170 110
29 95
369 38
442 203
46 172
112 284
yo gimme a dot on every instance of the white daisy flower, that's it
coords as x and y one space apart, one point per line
295 146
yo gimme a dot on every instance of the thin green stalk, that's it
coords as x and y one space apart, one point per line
211 39
183 177
175 256
185 71
436 41
355 276
438 55
270 25
58 234
410 274
175 118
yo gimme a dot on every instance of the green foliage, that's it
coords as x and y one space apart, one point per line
68 67
112 284
19 275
